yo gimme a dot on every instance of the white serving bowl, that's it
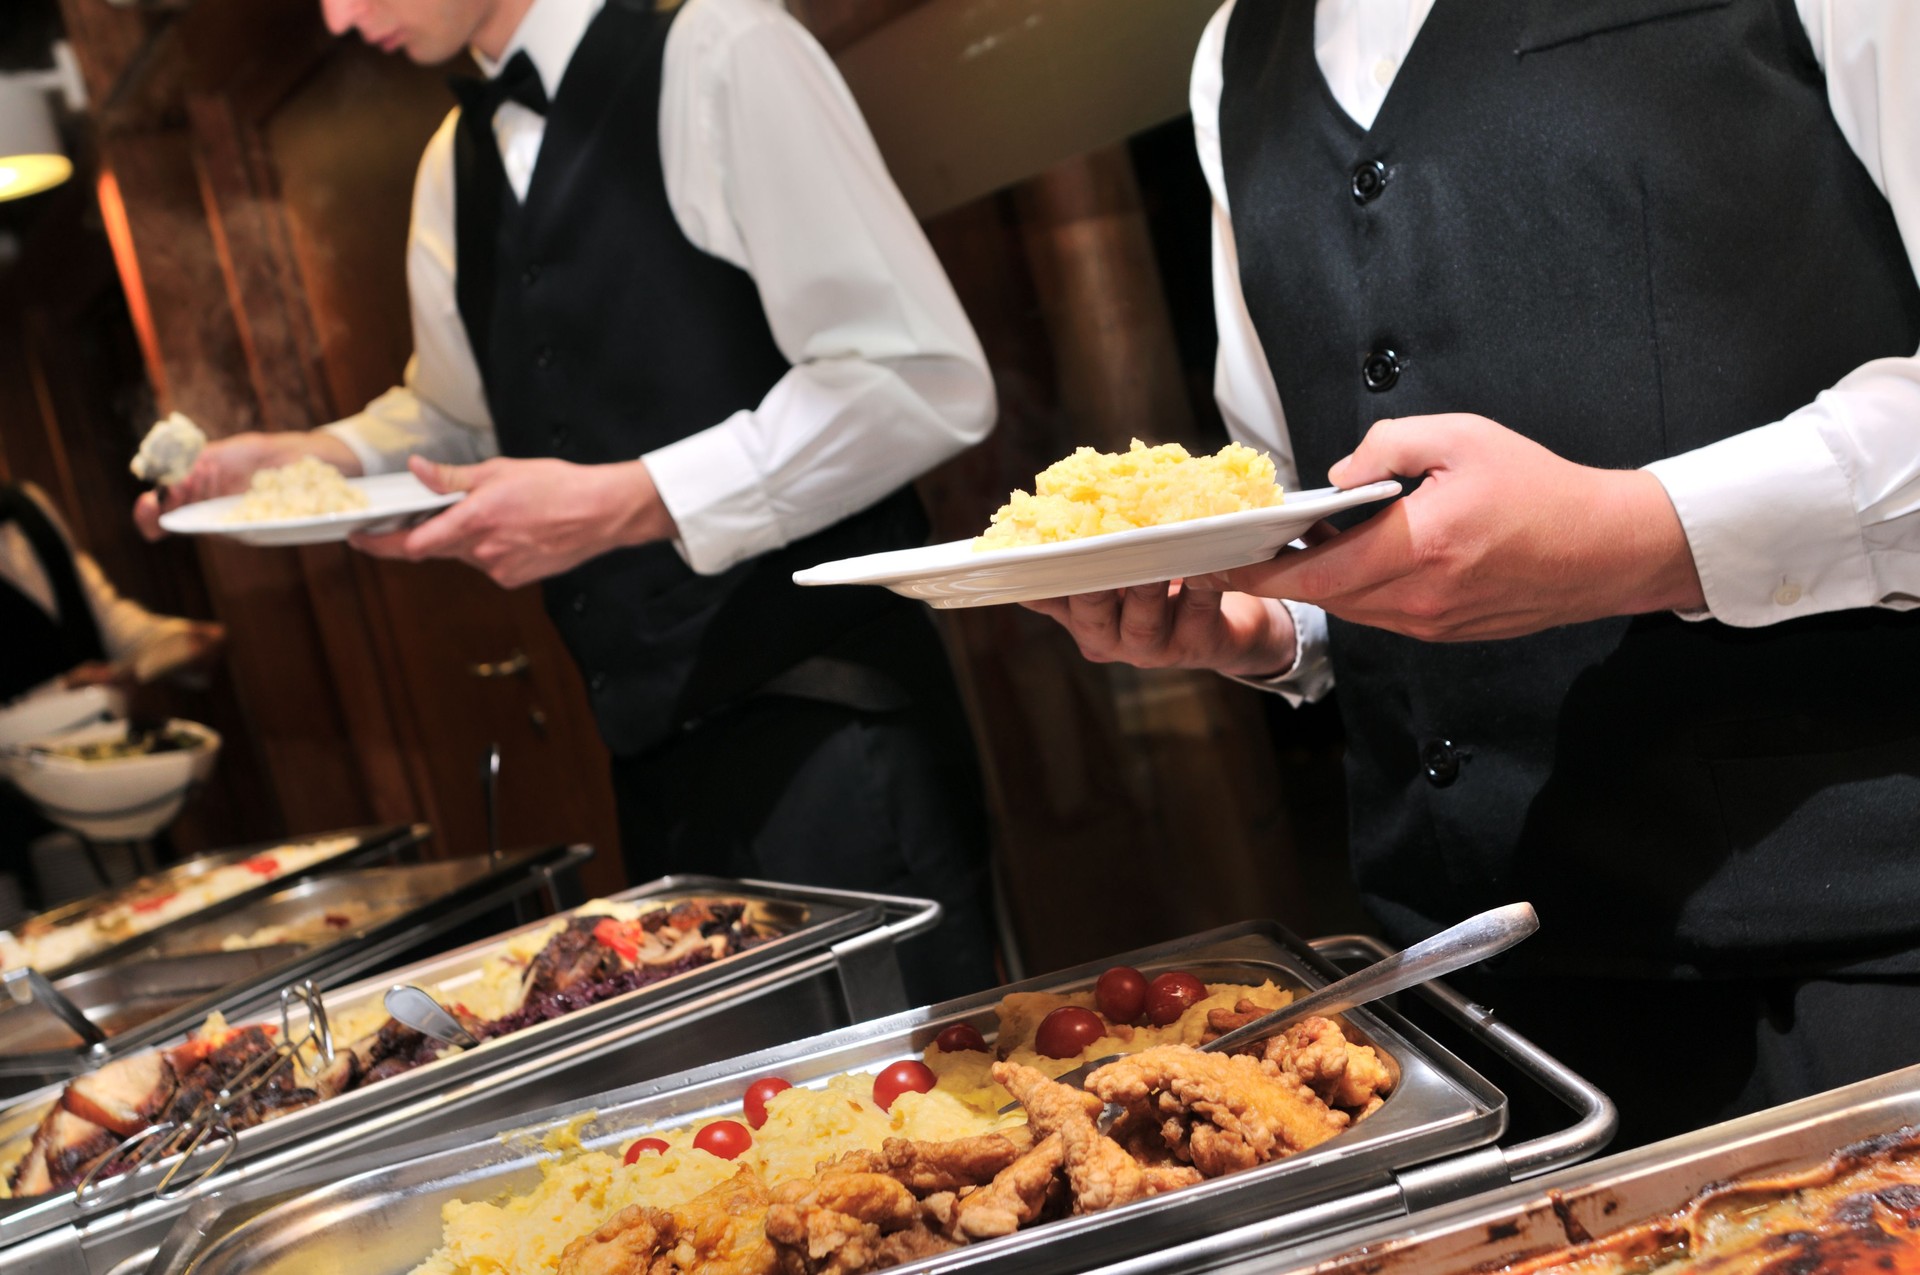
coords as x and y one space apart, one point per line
122 799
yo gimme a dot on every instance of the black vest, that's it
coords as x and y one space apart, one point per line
1625 228
40 647
602 334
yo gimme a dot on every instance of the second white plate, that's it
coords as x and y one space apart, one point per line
954 575
393 501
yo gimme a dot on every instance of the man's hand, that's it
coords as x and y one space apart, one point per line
227 465
525 520
1178 625
1504 538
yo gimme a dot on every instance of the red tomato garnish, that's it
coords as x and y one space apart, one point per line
1067 1031
615 935
266 865
157 902
1121 994
644 1145
910 1075
960 1038
724 1138
1170 995
756 1097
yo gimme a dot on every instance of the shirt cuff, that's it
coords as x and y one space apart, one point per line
1311 675
710 485
1770 518
372 460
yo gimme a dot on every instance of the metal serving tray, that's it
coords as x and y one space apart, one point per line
170 984
380 1218
370 843
1607 1195
836 965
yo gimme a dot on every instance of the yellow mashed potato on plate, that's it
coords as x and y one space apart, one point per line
1091 493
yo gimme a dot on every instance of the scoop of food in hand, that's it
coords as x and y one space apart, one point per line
168 451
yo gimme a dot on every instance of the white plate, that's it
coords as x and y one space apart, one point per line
953 575
54 711
393 501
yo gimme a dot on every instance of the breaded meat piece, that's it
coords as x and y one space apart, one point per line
1270 1111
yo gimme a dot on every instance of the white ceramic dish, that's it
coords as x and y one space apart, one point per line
51 712
953 575
126 798
393 501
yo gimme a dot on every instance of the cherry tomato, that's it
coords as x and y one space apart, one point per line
1121 994
643 1146
959 1039
724 1138
756 1097
907 1076
1067 1031
1169 995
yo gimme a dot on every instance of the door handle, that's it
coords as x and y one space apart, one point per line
515 665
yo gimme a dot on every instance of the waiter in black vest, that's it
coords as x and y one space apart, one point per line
677 335
1641 651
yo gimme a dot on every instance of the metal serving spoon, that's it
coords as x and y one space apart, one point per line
413 1007
1457 946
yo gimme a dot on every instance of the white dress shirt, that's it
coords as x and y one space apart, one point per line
1819 511
769 166
149 644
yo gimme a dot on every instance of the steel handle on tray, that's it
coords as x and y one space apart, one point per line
28 984
1596 1116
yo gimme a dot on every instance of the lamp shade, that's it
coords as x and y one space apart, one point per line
31 158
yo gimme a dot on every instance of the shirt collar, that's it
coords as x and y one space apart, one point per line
550 32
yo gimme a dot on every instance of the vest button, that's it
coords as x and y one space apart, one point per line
543 357
597 682
578 603
1441 761
530 276
1369 179
559 437
1380 370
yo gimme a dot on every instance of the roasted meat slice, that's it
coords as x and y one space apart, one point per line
125 1096
570 957
65 1146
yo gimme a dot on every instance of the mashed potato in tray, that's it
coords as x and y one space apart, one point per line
1091 493
526 1234
305 489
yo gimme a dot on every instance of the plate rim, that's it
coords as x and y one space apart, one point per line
312 522
1335 499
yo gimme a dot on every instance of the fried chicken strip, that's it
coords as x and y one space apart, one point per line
928 1167
1342 1073
1100 1172
1248 1103
719 1232
835 1222
1015 1198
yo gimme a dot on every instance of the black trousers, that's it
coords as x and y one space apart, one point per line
1679 1055
817 793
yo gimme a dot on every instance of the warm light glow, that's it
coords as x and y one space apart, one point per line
22 175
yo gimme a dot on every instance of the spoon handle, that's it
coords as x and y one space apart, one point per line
1457 946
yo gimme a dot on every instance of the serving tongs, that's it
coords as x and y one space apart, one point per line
208 1122
1472 940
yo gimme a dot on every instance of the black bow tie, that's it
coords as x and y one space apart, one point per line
518 81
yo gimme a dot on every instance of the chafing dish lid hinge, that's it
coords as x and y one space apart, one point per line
1453 1178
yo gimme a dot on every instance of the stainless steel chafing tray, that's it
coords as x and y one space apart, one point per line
1607 1195
383 1218
368 844
832 963
172 983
